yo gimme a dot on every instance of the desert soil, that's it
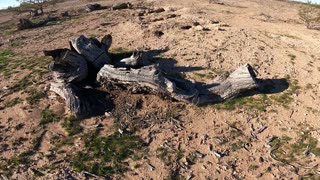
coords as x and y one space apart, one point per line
266 134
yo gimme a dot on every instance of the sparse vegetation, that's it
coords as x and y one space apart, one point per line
72 125
12 102
22 84
47 116
253 167
285 98
35 96
287 152
103 155
260 103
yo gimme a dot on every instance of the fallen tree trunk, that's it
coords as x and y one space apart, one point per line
27 24
242 79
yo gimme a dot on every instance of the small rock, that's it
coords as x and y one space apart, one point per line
158 10
261 160
198 28
199 154
195 23
186 27
107 114
156 19
171 16
215 22
65 14
158 33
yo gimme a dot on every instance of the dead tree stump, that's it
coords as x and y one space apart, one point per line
71 70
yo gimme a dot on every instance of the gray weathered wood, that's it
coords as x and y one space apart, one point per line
94 52
82 102
27 24
67 66
242 79
71 72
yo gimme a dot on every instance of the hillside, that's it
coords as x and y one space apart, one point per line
269 133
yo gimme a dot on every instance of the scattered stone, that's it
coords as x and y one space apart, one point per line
215 22
157 10
216 2
199 154
158 33
195 23
261 160
171 16
107 114
94 7
156 19
221 29
186 27
65 14
199 28
120 131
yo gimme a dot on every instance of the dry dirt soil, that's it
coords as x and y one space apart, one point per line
270 133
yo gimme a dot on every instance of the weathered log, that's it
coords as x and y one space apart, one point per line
94 51
242 79
82 102
27 24
121 6
95 7
70 69
67 66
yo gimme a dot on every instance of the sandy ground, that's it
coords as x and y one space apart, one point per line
266 34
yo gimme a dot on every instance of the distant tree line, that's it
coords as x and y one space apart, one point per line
35 7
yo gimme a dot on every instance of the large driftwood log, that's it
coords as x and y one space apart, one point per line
242 79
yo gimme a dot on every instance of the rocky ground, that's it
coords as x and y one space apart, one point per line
271 133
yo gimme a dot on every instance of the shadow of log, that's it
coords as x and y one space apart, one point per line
273 86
